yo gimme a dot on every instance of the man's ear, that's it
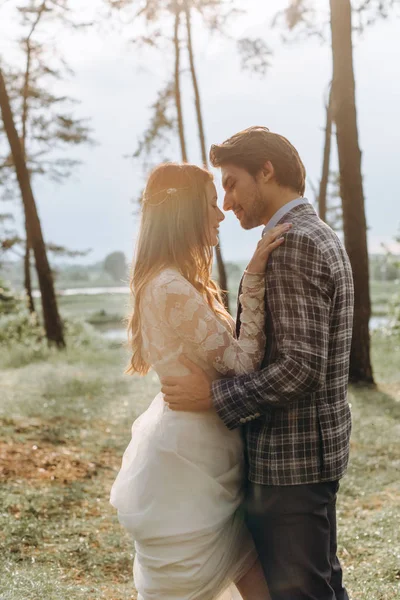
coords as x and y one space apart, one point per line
267 172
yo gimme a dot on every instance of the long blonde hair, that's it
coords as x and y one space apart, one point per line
173 233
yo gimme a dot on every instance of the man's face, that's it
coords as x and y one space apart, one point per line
243 196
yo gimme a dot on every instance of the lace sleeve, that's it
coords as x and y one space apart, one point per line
182 307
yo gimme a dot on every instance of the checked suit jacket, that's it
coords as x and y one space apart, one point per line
294 410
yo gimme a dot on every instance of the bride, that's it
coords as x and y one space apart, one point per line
180 486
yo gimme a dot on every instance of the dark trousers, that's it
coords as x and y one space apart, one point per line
294 529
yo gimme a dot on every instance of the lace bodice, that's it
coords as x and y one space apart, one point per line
176 320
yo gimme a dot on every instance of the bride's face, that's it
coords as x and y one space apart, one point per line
215 215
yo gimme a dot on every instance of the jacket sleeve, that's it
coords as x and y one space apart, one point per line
299 294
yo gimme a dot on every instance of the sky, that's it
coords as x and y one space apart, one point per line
116 83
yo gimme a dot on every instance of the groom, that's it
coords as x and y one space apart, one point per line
294 411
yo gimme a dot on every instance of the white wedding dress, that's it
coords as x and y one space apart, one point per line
181 482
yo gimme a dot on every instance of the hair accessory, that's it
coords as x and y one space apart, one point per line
168 191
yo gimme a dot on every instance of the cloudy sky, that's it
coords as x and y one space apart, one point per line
116 84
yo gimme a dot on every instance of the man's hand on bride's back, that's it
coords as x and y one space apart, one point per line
190 393
271 239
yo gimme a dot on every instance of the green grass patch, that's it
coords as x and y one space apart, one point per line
64 422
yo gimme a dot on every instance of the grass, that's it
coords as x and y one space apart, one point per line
64 422
382 292
369 503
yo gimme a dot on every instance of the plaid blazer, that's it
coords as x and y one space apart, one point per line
294 410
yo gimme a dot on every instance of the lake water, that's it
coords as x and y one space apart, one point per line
118 334
377 322
88 291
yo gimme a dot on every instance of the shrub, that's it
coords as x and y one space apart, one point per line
19 327
17 324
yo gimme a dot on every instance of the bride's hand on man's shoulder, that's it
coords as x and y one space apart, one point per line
271 239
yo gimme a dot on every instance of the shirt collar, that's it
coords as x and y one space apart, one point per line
282 212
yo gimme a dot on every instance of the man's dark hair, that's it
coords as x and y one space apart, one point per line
253 147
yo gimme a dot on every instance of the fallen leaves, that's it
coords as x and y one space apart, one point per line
43 461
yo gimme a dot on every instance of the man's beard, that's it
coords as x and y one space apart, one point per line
253 217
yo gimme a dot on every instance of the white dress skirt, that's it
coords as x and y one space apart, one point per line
179 493
180 487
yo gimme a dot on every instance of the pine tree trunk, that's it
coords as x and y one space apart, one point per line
351 185
323 187
197 101
27 275
52 321
178 99
223 280
25 96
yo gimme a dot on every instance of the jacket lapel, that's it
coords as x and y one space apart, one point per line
296 211
239 309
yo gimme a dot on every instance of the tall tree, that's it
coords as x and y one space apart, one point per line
157 14
323 186
223 281
115 265
255 58
152 12
45 121
25 99
351 185
52 321
304 16
177 80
